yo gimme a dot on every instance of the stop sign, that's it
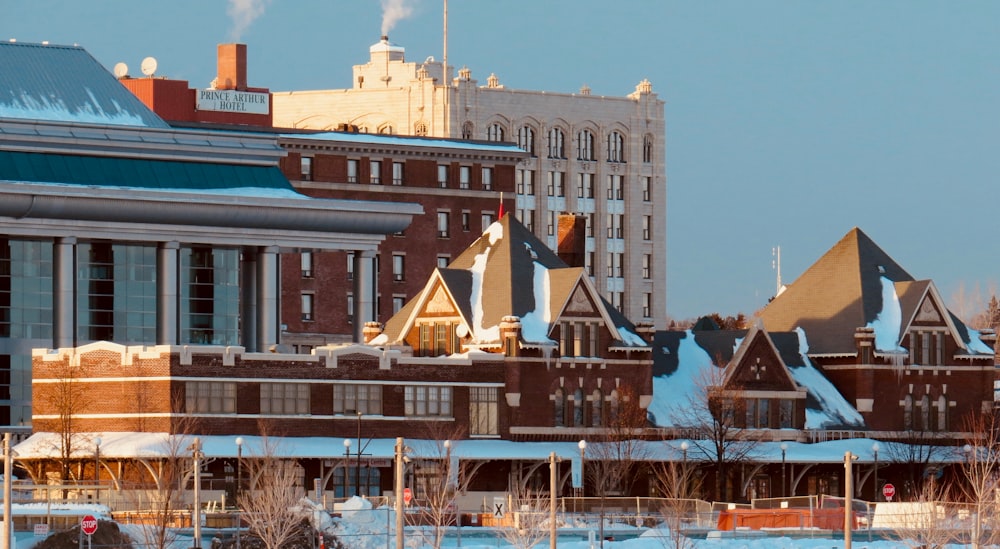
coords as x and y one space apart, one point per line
88 524
407 495
888 490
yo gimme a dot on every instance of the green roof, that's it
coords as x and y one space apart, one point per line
156 175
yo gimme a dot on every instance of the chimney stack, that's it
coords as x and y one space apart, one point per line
573 239
232 67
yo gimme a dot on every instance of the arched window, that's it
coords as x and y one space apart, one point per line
385 129
494 132
908 412
613 405
556 145
578 403
647 149
468 130
925 413
597 409
616 147
585 145
559 408
526 139
942 413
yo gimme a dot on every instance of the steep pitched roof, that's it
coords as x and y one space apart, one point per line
510 272
840 292
857 284
65 83
681 362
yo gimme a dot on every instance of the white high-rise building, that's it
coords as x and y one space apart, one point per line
597 156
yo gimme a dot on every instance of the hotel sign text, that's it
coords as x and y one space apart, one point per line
233 101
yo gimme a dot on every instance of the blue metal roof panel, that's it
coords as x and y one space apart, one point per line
65 84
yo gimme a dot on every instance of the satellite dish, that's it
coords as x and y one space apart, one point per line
121 70
149 66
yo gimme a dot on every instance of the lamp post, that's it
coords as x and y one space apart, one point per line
684 449
239 486
398 490
357 469
875 489
582 445
552 500
347 466
8 517
97 469
196 456
784 477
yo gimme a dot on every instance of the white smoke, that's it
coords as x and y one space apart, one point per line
243 13
394 11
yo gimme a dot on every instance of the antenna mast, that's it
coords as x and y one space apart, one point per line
776 265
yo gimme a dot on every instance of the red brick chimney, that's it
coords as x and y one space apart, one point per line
232 67
573 239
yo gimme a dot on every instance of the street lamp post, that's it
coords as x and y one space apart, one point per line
239 486
553 474
196 515
357 469
97 470
784 476
583 478
347 466
875 489
8 517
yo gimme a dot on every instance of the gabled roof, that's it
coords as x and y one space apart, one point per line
681 362
65 83
847 288
840 292
510 272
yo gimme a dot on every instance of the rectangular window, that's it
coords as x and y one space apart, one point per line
647 309
443 176
306 264
527 218
375 177
647 266
397 173
443 261
307 168
483 411
525 182
398 302
284 398
443 222
552 224
785 411
351 398
647 229
487 220
466 221
487 179
615 191
647 189
588 263
464 177
352 171
210 397
398 267
307 307
350 308
424 401
350 265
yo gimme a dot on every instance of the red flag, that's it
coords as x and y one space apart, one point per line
500 211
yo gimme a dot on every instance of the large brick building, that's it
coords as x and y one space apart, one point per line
601 157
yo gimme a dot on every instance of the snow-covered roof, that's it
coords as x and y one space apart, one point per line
65 83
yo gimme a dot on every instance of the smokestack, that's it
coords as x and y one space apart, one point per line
232 67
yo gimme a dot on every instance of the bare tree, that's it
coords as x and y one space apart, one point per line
678 484
268 505
929 522
918 458
615 455
981 467
64 398
717 433
161 504
531 511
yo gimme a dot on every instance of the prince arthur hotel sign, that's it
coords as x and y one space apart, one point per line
233 101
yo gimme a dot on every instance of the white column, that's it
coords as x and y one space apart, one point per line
267 297
364 292
167 294
63 284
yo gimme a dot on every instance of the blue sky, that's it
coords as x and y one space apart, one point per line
788 122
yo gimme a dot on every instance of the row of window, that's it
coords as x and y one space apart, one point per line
294 399
585 143
399 173
571 411
524 182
